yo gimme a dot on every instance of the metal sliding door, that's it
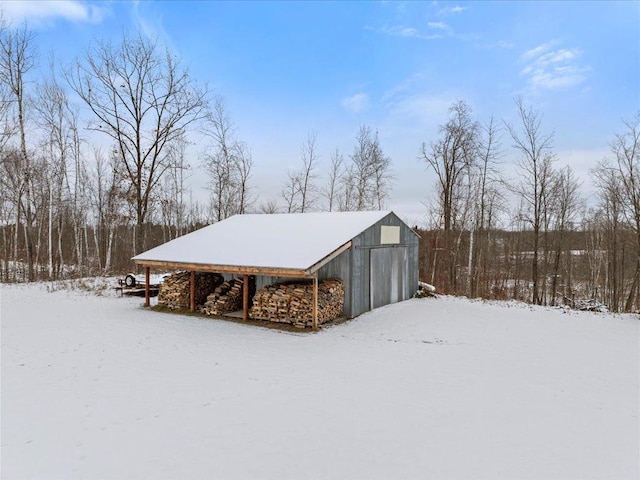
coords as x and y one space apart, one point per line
387 275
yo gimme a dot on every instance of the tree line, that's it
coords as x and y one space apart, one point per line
71 208
553 245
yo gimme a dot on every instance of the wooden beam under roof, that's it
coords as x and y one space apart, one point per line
237 270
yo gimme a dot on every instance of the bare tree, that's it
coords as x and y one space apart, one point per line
535 165
347 186
51 108
565 193
291 191
361 169
308 175
219 161
111 207
332 191
601 259
369 176
489 200
143 99
57 120
383 176
17 58
244 167
610 219
228 163
12 183
451 157
7 125
299 188
625 148
172 192
271 206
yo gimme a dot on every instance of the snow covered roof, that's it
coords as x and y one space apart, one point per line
294 241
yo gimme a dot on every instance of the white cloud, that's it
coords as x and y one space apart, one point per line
404 31
540 49
550 68
42 12
356 103
439 26
435 30
558 56
150 23
408 32
499 44
553 80
450 10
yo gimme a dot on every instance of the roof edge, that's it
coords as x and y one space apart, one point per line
318 265
232 269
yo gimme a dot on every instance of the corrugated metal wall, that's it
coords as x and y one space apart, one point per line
395 268
374 275
387 282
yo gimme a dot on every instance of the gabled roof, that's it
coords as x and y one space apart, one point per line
294 241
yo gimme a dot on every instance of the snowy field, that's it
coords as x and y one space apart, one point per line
100 388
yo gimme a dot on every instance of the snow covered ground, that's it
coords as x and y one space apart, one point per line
100 388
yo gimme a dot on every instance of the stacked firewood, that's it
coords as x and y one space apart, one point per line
293 302
225 298
175 291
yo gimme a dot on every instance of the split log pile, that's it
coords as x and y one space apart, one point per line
225 298
293 302
175 291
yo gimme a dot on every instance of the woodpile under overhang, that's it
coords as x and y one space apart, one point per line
293 302
302 302
175 290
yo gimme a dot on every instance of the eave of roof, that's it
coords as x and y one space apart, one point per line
279 245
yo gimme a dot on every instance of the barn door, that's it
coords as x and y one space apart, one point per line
386 279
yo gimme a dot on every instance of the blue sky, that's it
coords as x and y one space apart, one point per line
288 68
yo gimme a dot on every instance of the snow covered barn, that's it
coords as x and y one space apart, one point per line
375 254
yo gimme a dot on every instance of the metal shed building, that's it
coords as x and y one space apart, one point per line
375 254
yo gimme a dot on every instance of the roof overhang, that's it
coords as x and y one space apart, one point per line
246 269
234 269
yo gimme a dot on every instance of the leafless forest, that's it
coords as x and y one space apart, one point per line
96 157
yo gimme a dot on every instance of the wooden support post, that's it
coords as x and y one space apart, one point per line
147 301
245 297
192 292
315 302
